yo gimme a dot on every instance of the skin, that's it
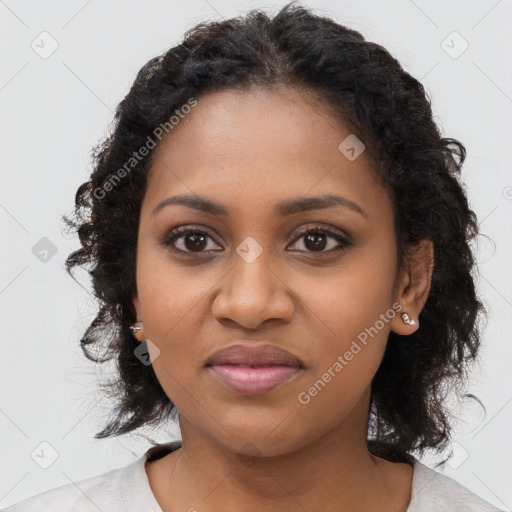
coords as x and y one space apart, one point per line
271 452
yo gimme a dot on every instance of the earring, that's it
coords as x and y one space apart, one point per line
135 328
407 320
142 352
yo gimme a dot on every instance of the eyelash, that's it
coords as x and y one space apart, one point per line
181 231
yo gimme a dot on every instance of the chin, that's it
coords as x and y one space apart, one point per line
260 440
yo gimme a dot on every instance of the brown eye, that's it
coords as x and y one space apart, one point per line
317 240
187 240
195 241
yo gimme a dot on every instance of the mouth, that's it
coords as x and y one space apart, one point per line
248 379
250 369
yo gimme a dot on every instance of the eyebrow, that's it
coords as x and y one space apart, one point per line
284 208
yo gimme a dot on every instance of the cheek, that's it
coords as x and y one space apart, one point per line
344 365
350 300
174 310
169 292
352 315
174 301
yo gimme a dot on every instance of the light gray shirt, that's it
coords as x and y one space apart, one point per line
127 489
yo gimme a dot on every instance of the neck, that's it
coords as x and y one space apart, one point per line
334 472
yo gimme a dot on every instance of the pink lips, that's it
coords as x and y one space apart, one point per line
253 370
253 380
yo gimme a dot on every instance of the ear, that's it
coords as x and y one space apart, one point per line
139 335
414 285
138 309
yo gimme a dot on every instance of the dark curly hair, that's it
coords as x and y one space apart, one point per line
388 109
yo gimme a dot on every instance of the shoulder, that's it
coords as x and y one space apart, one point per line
433 491
103 492
118 490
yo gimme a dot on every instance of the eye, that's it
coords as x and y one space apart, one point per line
191 240
316 239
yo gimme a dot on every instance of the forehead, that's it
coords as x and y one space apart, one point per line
259 147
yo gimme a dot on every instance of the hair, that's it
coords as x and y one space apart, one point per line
368 90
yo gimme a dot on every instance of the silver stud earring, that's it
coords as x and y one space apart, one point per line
407 320
134 329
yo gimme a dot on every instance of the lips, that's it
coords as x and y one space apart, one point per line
253 370
262 355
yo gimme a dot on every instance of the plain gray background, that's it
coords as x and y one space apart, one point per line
54 108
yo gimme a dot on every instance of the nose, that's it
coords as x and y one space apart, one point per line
251 294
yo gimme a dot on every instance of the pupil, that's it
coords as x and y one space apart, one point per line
196 239
316 238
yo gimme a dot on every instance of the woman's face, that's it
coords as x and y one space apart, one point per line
247 275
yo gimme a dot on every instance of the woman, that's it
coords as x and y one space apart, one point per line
279 243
